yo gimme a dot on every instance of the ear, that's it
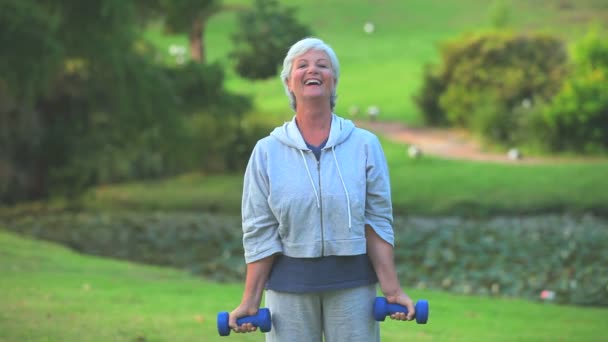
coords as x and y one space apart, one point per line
288 85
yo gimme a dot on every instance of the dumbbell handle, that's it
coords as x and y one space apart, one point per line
394 308
247 319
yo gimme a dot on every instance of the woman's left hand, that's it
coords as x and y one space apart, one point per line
404 300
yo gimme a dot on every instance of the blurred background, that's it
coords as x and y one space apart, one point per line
125 127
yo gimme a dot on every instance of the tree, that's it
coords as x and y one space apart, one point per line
500 14
190 17
83 102
265 33
74 87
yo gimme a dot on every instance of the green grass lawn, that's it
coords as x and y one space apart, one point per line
433 186
49 293
385 68
426 186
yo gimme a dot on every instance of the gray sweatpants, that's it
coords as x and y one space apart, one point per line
339 315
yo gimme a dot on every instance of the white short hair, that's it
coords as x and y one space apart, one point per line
300 48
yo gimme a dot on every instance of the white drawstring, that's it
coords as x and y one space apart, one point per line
310 177
344 186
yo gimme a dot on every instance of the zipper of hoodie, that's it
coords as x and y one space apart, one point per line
321 207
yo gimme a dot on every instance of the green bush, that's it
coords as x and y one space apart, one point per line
484 78
264 34
208 245
80 107
507 256
576 119
516 256
210 136
181 120
427 99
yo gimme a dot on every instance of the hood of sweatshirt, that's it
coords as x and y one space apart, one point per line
289 133
305 207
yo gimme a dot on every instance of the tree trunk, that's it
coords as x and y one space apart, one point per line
197 46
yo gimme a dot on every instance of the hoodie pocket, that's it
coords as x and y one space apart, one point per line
299 218
336 218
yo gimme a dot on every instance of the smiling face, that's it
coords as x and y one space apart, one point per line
312 77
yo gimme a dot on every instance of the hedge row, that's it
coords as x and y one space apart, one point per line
509 256
522 89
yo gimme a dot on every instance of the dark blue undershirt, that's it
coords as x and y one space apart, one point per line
333 272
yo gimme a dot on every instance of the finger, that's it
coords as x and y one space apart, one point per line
245 327
250 327
400 316
411 312
232 324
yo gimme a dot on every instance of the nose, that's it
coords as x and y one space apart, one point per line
312 69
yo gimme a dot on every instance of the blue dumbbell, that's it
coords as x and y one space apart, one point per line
261 320
382 308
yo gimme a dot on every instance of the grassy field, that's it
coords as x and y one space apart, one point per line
49 293
426 186
385 68
432 186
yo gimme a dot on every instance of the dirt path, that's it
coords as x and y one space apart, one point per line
449 143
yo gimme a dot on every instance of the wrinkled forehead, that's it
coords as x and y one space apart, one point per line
311 56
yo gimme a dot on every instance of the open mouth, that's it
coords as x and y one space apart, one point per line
312 82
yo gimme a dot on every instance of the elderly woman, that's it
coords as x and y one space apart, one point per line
317 216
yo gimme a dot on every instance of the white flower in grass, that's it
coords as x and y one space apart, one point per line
514 154
373 112
177 50
414 151
369 27
446 282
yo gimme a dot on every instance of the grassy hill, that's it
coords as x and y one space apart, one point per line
50 293
384 68
426 186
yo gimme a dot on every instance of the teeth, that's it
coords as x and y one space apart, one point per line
309 82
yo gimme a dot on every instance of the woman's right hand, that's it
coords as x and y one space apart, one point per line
242 311
257 274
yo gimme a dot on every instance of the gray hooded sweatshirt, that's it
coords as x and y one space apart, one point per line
304 208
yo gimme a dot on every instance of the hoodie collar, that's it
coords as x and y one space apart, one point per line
289 133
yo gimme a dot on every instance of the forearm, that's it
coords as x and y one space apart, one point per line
257 274
381 255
